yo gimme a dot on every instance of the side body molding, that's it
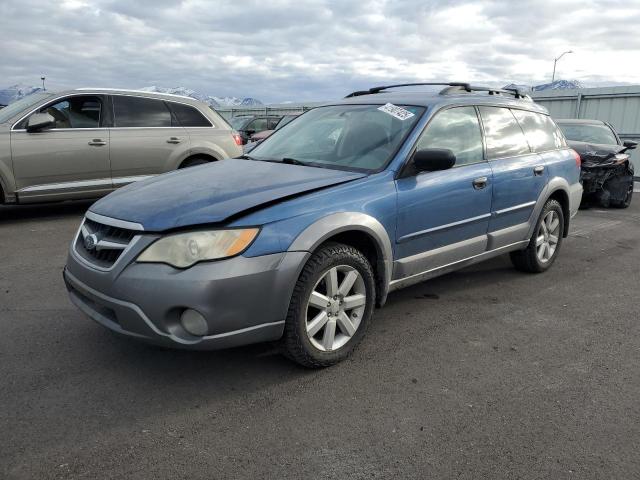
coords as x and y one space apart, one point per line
323 229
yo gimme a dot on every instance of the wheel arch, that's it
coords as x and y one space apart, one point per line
205 156
359 230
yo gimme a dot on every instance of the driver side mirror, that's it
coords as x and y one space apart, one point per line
433 159
40 121
630 144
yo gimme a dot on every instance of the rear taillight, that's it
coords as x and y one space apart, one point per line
577 157
237 138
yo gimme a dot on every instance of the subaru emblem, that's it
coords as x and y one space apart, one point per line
90 241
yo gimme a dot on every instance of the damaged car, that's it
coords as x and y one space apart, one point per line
299 241
607 172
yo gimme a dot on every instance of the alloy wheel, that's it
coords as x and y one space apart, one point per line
335 308
548 236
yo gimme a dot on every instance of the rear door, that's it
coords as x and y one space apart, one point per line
443 216
70 160
519 176
145 140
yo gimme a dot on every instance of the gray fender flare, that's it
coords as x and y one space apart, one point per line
555 184
326 227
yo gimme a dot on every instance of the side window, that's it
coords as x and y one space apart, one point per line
258 125
271 124
188 116
458 130
502 132
82 111
140 112
542 134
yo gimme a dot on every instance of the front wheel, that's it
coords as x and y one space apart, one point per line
627 199
330 308
545 243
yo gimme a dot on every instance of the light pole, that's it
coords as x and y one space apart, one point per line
555 60
42 78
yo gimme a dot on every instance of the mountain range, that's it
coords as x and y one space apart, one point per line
18 91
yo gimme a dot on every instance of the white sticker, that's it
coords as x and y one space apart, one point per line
396 111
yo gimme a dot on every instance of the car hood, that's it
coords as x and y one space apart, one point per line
214 192
593 154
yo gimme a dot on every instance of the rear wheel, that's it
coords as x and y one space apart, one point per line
330 308
545 243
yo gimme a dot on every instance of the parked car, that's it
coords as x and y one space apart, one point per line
85 143
247 125
299 241
258 137
607 171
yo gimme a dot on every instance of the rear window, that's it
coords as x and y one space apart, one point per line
188 116
503 135
140 112
542 134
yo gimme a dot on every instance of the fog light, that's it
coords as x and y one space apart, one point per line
194 323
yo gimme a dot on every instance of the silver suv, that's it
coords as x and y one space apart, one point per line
85 143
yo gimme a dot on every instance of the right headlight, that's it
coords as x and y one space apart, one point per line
183 250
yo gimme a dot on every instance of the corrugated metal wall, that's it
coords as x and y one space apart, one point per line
620 106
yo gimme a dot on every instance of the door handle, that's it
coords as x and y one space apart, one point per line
538 170
480 182
173 140
97 142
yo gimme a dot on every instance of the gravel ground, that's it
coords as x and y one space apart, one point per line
484 373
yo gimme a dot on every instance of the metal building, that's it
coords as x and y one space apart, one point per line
620 106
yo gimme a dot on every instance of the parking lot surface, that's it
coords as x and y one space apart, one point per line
484 373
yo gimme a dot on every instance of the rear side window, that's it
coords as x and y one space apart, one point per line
542 134
140 112
188 116
458 130
503 135
258 125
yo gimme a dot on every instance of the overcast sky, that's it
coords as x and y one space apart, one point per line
279 50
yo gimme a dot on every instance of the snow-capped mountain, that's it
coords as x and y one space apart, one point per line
559 85
211 100
16 92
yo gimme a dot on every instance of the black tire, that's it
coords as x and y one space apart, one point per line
527 260
296 344
192 162
627 200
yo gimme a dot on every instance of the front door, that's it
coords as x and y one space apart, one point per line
145 139
70 160
443 216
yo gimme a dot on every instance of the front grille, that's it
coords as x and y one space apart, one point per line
105 246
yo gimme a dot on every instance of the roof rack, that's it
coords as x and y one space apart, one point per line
451 88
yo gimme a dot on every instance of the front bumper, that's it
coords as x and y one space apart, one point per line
243 300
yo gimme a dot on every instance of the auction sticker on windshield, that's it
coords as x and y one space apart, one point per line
396 111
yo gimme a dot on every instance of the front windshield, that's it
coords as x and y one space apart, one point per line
348 137
238 122
589 133
13 109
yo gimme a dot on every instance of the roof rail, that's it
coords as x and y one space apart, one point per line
379 89
451 88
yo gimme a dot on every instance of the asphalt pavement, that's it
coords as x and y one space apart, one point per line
483 373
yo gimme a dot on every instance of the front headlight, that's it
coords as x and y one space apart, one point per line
185 249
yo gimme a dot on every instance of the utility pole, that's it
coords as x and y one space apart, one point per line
42 78
555 60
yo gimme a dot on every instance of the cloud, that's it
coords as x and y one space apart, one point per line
313 50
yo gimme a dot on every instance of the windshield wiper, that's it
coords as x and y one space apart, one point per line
247 157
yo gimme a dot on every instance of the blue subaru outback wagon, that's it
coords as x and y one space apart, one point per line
301 240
